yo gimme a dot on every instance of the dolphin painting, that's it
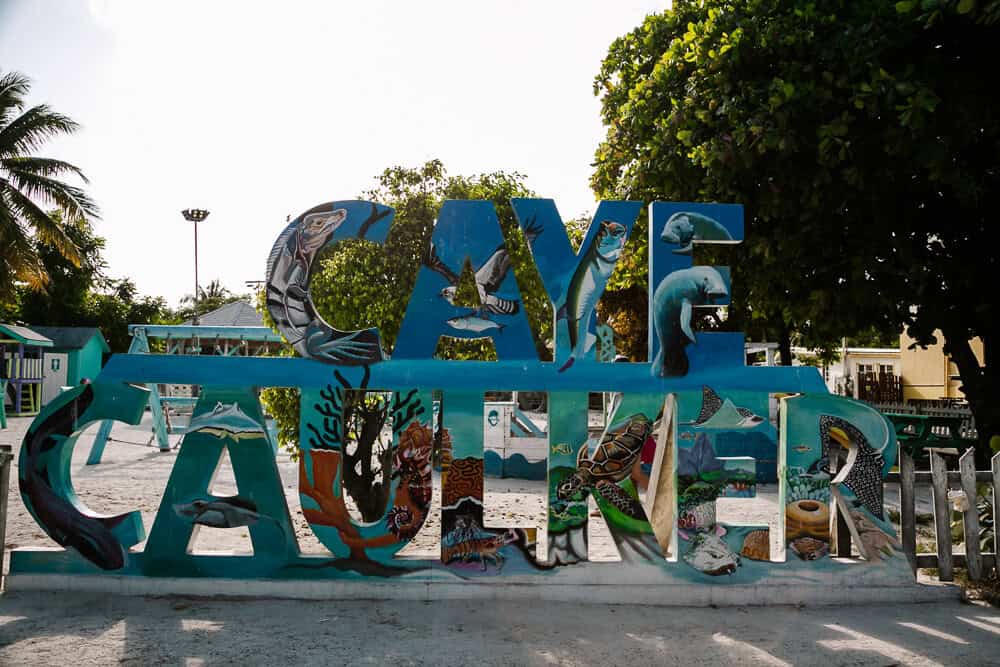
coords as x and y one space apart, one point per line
91 536
586 285
685 227
673 302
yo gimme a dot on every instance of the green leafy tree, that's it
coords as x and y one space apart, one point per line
863 140
64 301
118 304
81 294
29 184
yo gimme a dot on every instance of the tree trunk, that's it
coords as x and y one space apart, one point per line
979 384
366 422
784 343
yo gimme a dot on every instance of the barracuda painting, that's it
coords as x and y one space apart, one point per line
587 284
685 426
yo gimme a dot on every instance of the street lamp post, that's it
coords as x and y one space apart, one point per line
195 215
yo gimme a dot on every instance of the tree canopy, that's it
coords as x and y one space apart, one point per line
80 293
863 140
29 185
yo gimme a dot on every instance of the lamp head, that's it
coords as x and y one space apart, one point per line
194 214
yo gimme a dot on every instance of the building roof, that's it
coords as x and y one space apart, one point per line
24 335
73 338
233 314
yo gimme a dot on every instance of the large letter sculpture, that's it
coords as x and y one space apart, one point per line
692 422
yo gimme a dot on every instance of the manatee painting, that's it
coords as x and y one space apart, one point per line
673 304
685 227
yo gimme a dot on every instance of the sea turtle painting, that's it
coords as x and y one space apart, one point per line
611 462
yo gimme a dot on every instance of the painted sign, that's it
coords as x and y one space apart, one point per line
693 423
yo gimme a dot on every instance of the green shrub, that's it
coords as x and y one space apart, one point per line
282 403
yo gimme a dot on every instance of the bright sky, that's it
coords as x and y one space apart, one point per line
257 110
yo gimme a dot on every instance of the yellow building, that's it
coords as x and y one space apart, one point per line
927 373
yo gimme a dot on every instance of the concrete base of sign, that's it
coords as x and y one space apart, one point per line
672 595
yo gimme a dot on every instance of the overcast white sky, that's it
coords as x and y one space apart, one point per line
258 110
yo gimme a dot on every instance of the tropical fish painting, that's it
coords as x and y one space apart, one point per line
710 555
227 512
562 448
474 323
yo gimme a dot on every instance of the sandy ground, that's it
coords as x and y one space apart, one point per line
42 629
51 629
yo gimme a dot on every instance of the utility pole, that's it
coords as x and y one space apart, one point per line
195 215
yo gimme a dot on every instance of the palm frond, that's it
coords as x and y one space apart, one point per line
19 261
14 85
29 131
46 229
13 88
28 183
42 166
73 201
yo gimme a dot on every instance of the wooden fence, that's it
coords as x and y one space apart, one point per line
942 481
880 387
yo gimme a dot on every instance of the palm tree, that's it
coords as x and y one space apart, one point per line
209 298
29 184
214 292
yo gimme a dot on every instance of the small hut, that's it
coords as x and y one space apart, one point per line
22 370
77 353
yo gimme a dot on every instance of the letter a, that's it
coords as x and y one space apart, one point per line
466 230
